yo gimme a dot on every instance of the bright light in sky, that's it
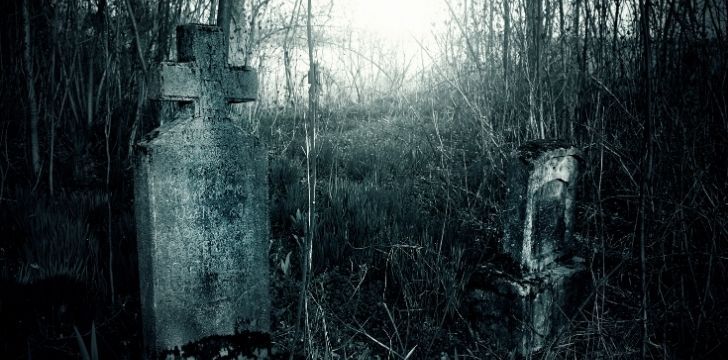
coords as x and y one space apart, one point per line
394 20
388 41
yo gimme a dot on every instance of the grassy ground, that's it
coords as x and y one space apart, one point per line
408 208
395 243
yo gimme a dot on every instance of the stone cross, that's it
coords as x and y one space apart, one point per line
202 74
538 237
201 202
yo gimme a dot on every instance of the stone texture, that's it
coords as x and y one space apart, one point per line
538 225
540 202
525 296
201 202
524 311
545 300
202 74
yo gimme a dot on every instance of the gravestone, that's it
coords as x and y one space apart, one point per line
201 202
540 200
538 237
523 297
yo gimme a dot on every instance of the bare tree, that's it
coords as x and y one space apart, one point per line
646 163
534 39
506 38
288 36
30 83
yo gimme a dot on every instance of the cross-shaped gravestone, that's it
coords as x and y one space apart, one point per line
201 201
202 73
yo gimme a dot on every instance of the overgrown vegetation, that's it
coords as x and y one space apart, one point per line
409 183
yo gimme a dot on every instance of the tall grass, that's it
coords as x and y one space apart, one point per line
54 236
401 210
410 198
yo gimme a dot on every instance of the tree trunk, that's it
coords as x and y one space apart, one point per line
231 18
250 44
506 37
90 93
534 23
615 35
213 7
32 102
289 75
646 164
163 30
491 46
223 17
290 33
574 73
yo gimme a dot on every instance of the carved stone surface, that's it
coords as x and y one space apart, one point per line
538 225
524 297
521 311
201 202
540 202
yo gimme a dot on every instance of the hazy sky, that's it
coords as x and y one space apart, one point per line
393 19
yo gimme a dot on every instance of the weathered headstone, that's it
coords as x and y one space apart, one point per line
540 199
538 237
522 298
201 201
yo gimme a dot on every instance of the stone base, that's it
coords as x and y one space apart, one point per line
245 346
523 312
